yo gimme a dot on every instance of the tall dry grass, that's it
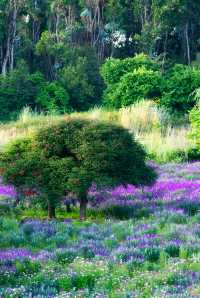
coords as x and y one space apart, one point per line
150 125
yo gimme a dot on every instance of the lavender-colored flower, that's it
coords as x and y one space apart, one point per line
15 253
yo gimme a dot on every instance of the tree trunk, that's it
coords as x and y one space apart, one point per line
165 52
9 56
6 58
57 26
187 43
68 207
51 211
83 208
14 30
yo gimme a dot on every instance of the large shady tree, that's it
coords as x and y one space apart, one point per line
70 156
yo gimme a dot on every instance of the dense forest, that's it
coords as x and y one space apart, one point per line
51 51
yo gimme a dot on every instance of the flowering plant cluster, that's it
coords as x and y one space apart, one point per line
154 256
70 259
177 187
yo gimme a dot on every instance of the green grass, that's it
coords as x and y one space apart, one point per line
23 213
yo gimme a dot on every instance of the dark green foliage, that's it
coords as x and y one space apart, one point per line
193 154
178 89
124 212
65 42
104 149
18 89
173 250
82 80
78 88
70 156
152 254
29 168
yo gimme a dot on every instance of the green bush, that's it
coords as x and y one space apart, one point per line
5 209
130 80
195 128
193 154
178 89
70 156
134 86
53 97
125 211
113 69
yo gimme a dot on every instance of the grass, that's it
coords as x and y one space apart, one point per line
150 125
61 214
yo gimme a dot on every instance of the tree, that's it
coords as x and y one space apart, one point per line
121 14
71 156
169 29
67 40
83 83
19 89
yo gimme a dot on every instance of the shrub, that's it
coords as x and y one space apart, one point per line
173 249
125 209
178 88
134 86
20 88
133 79
5 209
152 254
130 80
195 123
193 154
113 69
69 156
53 97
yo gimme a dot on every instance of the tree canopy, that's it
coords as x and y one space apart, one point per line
70 156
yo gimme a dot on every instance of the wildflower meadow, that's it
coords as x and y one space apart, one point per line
146 243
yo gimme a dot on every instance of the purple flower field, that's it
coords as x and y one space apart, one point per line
176 184
177 187
154 253
6 190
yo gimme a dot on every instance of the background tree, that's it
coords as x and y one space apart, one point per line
56 36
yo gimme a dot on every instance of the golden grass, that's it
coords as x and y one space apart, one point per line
149 124
164 147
